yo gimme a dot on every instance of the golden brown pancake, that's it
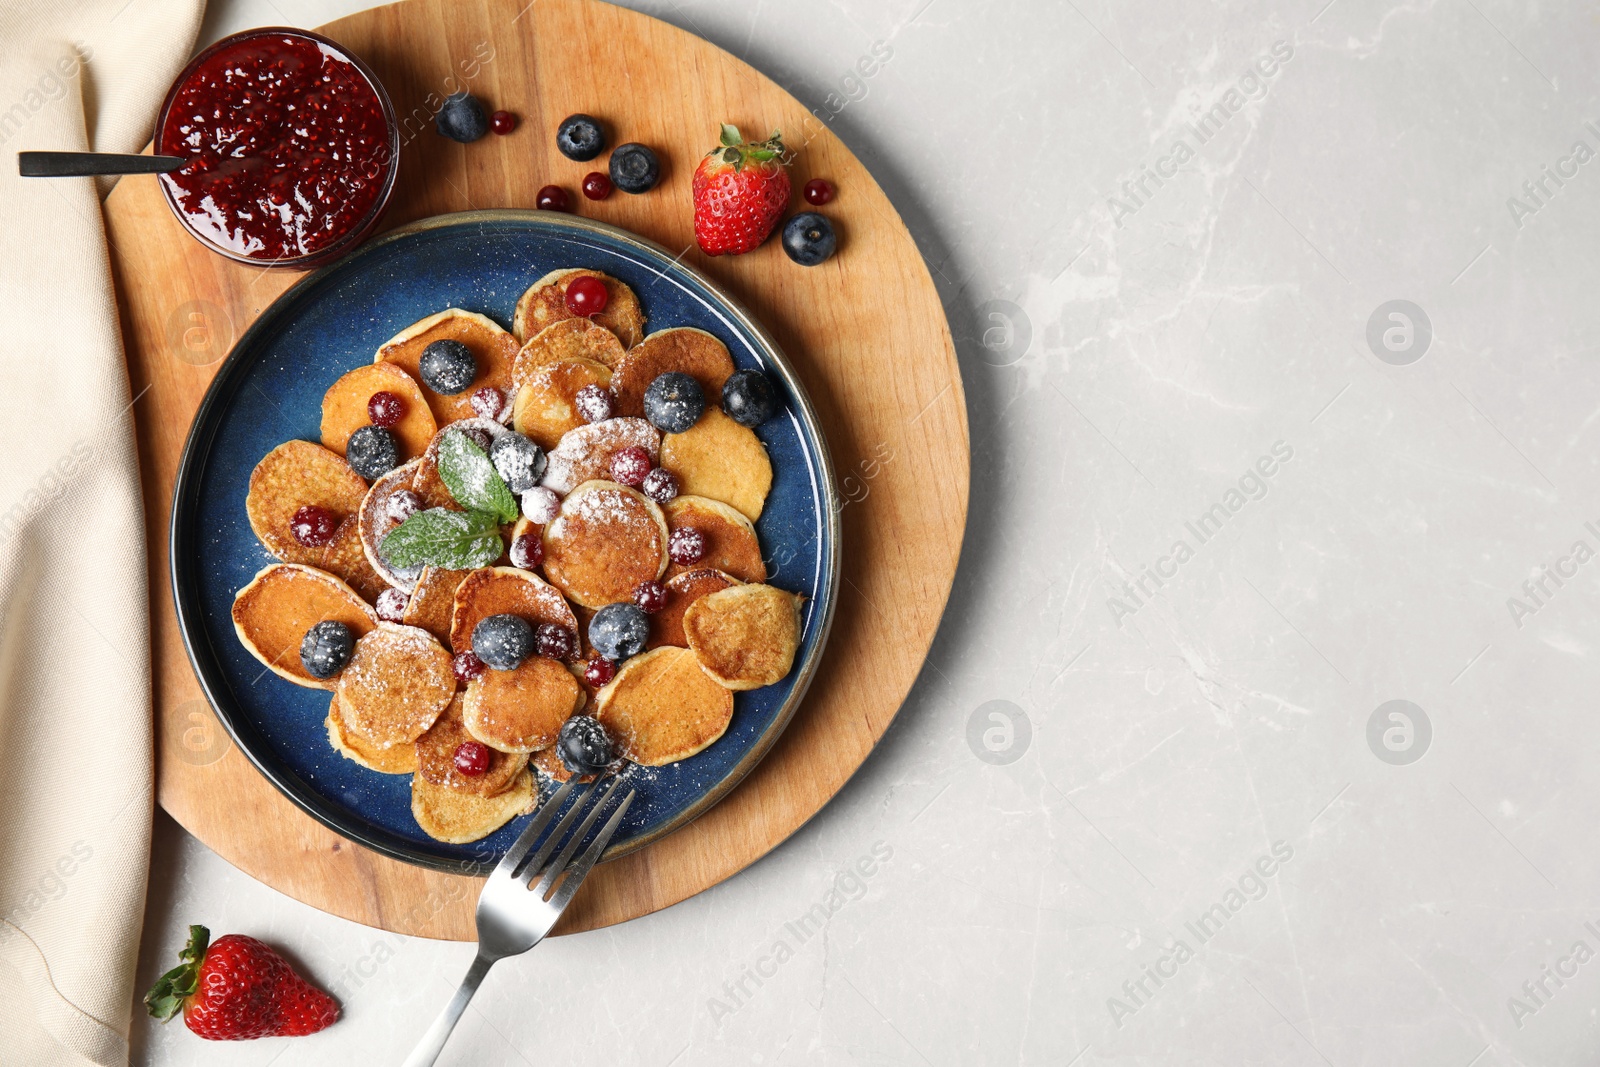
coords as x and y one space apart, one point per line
564 340
661 707
395 685
731 545
493 348
272 614
399 759
545 303
607 539
505 591
718 458
682 348
547 403
426 483
744 637
433 602
521 710
346 558
549 763
435 753
374 523
666 625
585 453
459 818
344 408
295 474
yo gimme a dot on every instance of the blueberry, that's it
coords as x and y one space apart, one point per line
634 168
748 398
618 631
674 402
584 746
447 367
808 238
580 137
519 461
503 641
326 648
372 452
461 118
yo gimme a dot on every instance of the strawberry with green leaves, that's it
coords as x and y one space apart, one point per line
238 988
740 192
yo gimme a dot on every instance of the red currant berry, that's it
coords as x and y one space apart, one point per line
686 545
660 485
556 642
541 505
599 671
818 191
488 402
650 596
467 666
479 437
385 408
596 186
392 605
313 525
553 198
527 552
587 296
594 403
630 466
401 505
472 759
502 122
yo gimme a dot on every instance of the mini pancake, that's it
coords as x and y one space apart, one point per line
344 408
744 637
545 302
295 474
585 453
607 539
435 753
400 759
459 818
666 625
521 710
547 404
731 545
272 614
426 483
433 602
523 525
505 591
395 685
548 763
661 707
682 348
564 340
718 458
492 347
374 523
346 559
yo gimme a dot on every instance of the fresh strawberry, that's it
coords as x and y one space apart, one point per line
239 989
740 192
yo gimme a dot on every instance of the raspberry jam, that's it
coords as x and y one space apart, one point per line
292 147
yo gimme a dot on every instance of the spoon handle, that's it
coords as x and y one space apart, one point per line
82 164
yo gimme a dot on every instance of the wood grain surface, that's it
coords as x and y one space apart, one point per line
865 331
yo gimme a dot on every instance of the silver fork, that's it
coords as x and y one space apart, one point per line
512 918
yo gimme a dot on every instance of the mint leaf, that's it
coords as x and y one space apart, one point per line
730 136
439 537
471 478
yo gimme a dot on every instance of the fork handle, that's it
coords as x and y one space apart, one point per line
432 1043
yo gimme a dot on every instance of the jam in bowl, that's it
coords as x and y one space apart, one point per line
292 146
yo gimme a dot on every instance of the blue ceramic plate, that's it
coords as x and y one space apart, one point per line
270 390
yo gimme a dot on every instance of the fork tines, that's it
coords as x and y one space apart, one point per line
521 867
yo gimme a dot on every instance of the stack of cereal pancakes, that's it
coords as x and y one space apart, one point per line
616 594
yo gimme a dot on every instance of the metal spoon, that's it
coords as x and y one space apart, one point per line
85 164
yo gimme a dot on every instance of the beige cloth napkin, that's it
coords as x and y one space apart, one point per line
76 765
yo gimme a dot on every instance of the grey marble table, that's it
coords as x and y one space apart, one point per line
1260 729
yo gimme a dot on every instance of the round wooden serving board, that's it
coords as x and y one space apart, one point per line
865 331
